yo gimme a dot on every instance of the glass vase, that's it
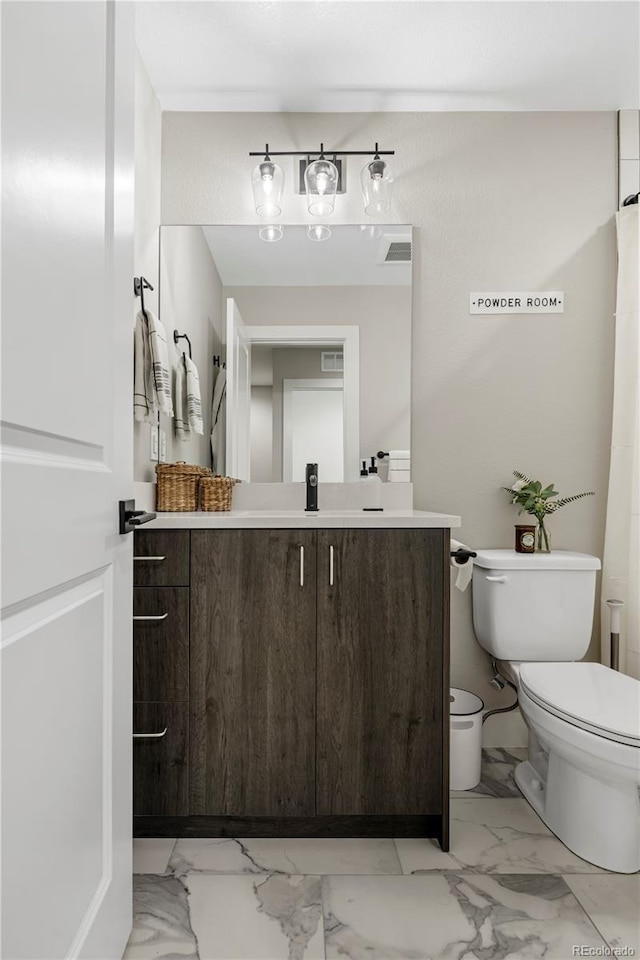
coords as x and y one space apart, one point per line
542 538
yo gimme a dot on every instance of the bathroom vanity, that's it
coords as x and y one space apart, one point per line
291 674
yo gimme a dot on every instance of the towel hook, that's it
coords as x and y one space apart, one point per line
140 284
182 336
217 363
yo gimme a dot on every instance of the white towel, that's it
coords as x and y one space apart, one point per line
188 405
151 377
464 570
183 431
160 365
218 411
194 406
145 407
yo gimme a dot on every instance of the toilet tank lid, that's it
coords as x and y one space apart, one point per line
556 560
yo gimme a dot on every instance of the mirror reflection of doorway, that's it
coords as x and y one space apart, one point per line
312 429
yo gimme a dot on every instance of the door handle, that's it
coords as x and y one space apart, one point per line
150 558
331 566
161 617
497 579
149 736
130 518
301 566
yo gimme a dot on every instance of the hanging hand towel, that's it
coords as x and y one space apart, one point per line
160 365
145 408
218 438
464 570
183 431
194 406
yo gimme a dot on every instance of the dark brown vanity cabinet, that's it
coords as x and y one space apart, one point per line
161 673
318 685
253 650
381 622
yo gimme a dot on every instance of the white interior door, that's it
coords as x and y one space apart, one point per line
238 451
313 429
67 227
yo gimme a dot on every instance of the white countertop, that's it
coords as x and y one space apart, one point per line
300 519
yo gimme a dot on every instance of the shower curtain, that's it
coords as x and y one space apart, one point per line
621 563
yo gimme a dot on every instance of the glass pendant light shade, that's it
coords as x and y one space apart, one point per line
271 234
377 187
318 231
321 183
267 181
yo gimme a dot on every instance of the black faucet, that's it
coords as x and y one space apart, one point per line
312 488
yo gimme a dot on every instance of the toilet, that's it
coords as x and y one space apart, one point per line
533 614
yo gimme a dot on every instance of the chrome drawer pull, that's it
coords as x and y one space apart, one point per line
161 617
150 558
302 566
149 736
331 566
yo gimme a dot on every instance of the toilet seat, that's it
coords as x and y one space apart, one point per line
587 695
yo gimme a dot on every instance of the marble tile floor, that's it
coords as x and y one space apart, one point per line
507 890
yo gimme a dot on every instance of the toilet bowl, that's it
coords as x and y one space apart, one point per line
533 614
583 774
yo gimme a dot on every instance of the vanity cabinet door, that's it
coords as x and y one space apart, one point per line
253 650
382 671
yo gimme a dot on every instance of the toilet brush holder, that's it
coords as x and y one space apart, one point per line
615 610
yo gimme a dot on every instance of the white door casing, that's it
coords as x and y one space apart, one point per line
66 460
238 450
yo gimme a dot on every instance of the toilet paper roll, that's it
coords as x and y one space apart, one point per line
399 454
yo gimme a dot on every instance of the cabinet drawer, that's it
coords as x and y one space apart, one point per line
160 764
161 646
161 558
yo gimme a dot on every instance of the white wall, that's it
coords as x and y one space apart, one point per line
383 315
499 201
191 302
148 133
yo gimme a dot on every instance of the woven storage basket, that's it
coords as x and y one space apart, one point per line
216 492
177 488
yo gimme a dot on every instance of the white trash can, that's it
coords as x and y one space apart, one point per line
465 748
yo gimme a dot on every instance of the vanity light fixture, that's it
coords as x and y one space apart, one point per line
267 181
377 186
271 233
322 178
318 231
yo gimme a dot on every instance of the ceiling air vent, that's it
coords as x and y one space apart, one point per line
395 249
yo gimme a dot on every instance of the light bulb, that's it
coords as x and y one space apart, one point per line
271 233
377 187
318 231
267 181
321 182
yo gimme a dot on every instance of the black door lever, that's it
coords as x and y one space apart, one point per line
130 518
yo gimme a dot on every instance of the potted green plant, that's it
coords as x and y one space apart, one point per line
538 501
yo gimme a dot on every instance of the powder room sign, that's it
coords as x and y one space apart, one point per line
541 301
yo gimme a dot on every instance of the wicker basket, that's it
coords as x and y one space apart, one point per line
216 492
177 488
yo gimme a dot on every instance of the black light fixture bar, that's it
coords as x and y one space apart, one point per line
321 152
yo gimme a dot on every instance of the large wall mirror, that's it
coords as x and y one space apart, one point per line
303 347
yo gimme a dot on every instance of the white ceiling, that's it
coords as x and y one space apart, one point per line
305 55
350 257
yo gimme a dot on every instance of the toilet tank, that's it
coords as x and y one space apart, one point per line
534 606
